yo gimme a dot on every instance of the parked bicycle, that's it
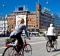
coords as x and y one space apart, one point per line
11 49
49 47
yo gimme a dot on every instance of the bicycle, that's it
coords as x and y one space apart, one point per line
49 47
11 49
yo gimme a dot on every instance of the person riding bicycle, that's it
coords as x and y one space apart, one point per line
51 34
17 33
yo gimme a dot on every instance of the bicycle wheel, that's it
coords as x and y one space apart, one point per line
27 50
10 51
48 46
55 44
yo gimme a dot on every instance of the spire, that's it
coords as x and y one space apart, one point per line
38 1
38 7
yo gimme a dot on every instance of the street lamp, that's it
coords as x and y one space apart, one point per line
4 26
47 2
3 5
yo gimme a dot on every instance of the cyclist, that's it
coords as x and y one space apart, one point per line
51 34
17 33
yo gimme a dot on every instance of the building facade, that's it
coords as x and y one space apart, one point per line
57 22
34 20
11 22
3 26
46 20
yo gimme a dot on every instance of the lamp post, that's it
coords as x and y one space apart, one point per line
4 26
47 2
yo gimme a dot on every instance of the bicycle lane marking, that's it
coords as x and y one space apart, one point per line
2 47
38 42
29 43
41 42
33 43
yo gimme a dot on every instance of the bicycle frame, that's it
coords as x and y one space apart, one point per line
16 43
24 43
26 49
12 44
49 47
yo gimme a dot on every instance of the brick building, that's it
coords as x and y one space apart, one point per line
11 22
32 18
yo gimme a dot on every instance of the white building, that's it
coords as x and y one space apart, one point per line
3 25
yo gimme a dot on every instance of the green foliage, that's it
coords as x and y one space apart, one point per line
41 35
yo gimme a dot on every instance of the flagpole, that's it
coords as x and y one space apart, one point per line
38 1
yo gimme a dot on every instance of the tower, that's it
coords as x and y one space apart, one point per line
38 15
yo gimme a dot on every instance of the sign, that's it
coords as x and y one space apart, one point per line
19 17
46 10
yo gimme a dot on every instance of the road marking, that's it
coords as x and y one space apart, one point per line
32 43
37 42
29 43
2 47
41 42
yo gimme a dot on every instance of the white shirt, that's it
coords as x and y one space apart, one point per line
19 28
51 31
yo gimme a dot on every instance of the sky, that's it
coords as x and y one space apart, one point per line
10 5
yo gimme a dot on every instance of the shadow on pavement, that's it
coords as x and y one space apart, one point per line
56 50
